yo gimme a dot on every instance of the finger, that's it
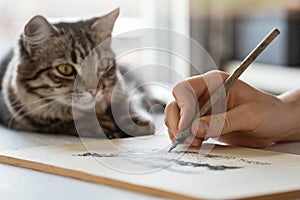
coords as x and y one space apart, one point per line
193 141
172 119
200 128
187 103
207 83
187 93
238 119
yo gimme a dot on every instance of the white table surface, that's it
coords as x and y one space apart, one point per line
19 183
24 184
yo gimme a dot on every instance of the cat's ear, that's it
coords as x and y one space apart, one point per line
36 32
106 22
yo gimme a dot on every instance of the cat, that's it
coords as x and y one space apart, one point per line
63 78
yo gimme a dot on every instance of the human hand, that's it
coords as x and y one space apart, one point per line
244 117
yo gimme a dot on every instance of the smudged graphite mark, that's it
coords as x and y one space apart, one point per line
211 167
97 155
156 161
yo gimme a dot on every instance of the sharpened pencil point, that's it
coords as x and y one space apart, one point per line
173 146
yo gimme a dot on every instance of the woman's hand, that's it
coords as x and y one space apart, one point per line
244 117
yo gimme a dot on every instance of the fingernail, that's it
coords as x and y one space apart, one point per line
199 128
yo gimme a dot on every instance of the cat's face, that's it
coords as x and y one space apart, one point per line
67 63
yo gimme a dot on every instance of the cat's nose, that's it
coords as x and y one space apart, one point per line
93 91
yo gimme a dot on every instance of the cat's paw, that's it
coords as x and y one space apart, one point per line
136 126
114 135
88 127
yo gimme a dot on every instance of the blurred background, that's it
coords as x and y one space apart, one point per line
226 29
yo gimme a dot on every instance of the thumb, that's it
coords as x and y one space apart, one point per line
221 124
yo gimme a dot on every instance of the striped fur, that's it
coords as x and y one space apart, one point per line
35 96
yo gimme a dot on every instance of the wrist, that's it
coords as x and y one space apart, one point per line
291 104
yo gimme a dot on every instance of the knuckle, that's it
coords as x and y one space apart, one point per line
214 71
217 73
182 87
177 87
170 107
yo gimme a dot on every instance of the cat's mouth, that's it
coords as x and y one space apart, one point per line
84 103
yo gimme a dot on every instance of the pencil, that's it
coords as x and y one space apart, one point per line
227 84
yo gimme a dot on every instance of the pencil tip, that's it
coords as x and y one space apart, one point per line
173 146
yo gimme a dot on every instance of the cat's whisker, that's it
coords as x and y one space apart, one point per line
58 108
54 110
15 114
14 102
26 114
17 118
32 103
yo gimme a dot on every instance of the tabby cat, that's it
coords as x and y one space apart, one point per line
57 69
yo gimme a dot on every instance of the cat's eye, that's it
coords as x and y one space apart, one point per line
66 70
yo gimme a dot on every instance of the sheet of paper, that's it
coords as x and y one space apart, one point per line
143 164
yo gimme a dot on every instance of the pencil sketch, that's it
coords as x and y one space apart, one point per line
176 161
